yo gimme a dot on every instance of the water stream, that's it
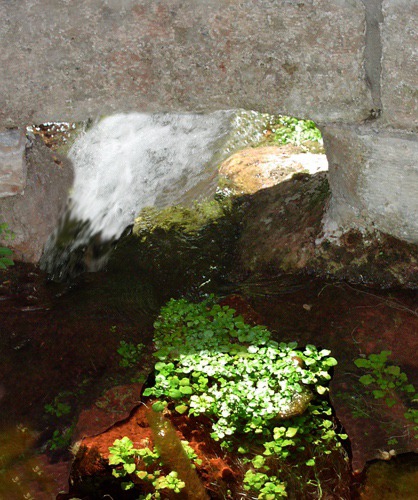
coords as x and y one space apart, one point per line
127 162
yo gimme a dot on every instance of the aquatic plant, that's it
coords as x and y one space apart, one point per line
147 466
385 380
211 362
130 353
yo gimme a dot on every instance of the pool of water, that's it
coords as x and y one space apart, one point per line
59 342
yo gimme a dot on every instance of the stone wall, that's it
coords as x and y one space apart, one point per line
33 214
73 59
350 65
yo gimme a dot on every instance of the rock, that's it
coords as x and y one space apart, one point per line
33 214
252 169
305 58
280 224
12 162
282 233
115 405
391 480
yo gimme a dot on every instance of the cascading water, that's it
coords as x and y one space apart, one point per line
129 161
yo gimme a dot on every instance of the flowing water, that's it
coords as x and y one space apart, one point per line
130 161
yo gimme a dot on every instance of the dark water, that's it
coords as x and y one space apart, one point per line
58 342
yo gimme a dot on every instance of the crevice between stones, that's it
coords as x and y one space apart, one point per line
373 53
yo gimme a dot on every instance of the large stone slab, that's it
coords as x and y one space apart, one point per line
373 176
400 63
74 59
33 214
12 162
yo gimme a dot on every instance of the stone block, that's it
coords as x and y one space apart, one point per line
400 64
34 214
88 58
373 176
12 162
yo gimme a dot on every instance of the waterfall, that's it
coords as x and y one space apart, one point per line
126 162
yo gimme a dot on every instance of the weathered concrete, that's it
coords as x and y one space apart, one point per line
34 214
373 176
400 64
12 162
86 58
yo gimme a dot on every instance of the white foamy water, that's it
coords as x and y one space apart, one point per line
127 162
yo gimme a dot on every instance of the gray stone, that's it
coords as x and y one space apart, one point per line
34 214
85 58
373 176
12 162
400 64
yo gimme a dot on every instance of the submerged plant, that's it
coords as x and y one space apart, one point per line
130 353
385 381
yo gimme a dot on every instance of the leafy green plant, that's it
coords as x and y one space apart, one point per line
269 487
130 353
145 465
5 253
61 439
291 130
385 381
59 405
210 361
62 409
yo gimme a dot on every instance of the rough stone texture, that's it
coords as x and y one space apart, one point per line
76 59
34 214
281 229
12 162
373 176
400 64
252 169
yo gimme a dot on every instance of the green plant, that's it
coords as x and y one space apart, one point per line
145 465
59 406
269 487
385 381
130 353
5 253
61 439
210 361
291 130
